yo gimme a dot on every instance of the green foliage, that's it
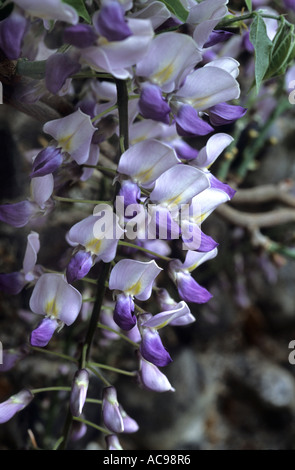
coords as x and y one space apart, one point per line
79 6
282 51
249 4
176 7
262 45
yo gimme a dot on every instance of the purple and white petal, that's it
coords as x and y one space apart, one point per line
151 378
110 22
152 349
145 161
80 35
189 123
73 134
42 189
169 59
189 290
41 336
224 113
47 161
12 31
50 10
152 105
79 266
18 214
213 148
124 315
181 314
54 297
14 404
206 87
117 57
30 258
59 67
140 279
110 410
12 283
79 391
179 185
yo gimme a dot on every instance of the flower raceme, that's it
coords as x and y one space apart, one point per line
160 191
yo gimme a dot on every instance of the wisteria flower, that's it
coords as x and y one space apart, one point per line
58 301
14 404
13 283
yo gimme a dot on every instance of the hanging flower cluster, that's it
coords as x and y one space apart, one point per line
147 86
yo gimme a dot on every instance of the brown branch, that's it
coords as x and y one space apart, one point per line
266 193
256 220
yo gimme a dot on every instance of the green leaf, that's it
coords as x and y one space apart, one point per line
262 45
80 9
249 4
282 51
176 7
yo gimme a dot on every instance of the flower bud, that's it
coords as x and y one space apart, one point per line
79 391
111 414
14 404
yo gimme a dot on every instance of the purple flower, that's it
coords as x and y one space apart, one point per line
124 312
224 113
189 123
168 60
12 31
152 105
41 336
151 346
110 23
11 356
73 134
117 57
59 67
151 378
130 425
80 35
12 283
140 279
79 391
98 234
209 85
189 290
290 4
14 404
145 161
50 10
205 16
111 414
178 315
130 192
79 266
55 298
216 37
17 214
47 161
